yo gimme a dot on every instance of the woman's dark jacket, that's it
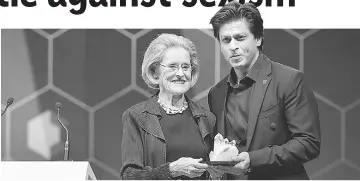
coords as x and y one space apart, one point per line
143 142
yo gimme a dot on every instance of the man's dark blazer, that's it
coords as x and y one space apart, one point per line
283 128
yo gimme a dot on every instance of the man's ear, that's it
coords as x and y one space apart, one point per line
258 41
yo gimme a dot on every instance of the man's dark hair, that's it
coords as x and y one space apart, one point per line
234 11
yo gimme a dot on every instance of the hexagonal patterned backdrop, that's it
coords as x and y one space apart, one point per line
96 75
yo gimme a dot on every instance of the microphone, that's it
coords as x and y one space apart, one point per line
58 105
8 103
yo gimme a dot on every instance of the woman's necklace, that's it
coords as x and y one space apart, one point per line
170 110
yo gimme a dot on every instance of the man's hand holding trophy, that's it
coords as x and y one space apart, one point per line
225 158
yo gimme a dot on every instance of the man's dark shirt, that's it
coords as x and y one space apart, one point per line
237 105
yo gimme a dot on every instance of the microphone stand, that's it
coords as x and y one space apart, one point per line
66 150
3 112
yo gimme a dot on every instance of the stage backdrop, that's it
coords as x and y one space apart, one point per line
96 74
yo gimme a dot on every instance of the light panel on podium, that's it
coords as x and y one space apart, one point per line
46 170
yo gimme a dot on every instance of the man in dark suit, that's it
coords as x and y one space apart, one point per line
265 106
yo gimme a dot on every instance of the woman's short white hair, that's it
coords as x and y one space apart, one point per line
155 52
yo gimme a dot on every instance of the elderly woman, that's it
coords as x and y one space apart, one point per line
167 136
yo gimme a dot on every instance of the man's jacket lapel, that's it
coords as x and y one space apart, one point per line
257 97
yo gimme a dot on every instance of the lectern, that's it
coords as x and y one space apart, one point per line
46 170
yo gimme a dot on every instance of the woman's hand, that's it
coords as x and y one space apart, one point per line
187 166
